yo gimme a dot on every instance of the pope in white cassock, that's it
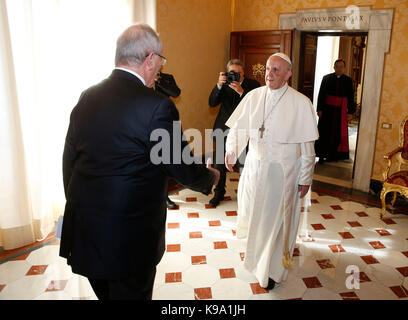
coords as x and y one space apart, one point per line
281 127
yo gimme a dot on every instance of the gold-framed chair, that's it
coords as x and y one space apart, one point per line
397 181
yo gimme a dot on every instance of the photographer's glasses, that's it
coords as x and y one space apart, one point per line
164 60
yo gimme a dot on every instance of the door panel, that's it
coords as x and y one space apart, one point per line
308 51
253 48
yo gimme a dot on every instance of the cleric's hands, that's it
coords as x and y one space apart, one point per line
235 85
303 190
215 171
230 160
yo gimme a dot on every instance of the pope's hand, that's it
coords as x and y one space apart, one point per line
215 171
230 160
303 190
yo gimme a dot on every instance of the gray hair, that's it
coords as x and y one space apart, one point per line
235 62
135 44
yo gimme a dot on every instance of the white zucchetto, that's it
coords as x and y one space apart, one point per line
283 56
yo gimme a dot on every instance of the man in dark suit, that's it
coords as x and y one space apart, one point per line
335 106
114 222
229 95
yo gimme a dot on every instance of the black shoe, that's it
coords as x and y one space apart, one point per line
170 204
321 160
214 202
271 284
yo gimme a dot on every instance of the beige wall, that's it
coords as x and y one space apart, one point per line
262 15
195 36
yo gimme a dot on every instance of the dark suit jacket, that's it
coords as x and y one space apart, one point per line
115 214
229 100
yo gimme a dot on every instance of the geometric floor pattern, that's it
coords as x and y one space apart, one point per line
350 255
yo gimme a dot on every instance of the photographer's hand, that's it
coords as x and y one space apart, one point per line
221 79
237 87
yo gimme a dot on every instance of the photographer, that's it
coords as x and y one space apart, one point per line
229 91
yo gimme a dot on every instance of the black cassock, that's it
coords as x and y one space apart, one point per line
335 101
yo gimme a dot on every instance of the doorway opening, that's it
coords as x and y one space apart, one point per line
318 52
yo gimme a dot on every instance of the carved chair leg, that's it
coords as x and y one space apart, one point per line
382 197
394 198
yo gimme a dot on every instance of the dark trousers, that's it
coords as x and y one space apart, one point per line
139 287
329 127
219 190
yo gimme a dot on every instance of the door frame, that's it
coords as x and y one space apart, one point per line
338 34
379 27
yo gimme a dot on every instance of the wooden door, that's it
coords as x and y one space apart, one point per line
253 48
307 64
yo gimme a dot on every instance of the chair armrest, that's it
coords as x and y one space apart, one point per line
389 155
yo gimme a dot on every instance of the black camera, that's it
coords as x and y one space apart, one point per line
167 85
232 76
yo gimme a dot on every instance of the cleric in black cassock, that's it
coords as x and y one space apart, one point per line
335 103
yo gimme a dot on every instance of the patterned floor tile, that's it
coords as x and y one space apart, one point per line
376 244
257 289
173 277
369 259
202 293
349 296
400 291
325 263
346 235
336 248
56 285
312 282
403 271
198 260
36 270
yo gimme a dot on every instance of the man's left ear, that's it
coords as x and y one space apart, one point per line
149 61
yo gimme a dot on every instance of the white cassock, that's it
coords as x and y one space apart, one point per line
268 197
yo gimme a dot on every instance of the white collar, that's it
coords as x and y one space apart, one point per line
274 92
134 73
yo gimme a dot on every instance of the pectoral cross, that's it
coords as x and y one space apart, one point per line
261 130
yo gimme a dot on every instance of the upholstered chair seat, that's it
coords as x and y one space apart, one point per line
398 180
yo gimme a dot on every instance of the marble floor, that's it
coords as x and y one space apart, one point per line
339 172
351 254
